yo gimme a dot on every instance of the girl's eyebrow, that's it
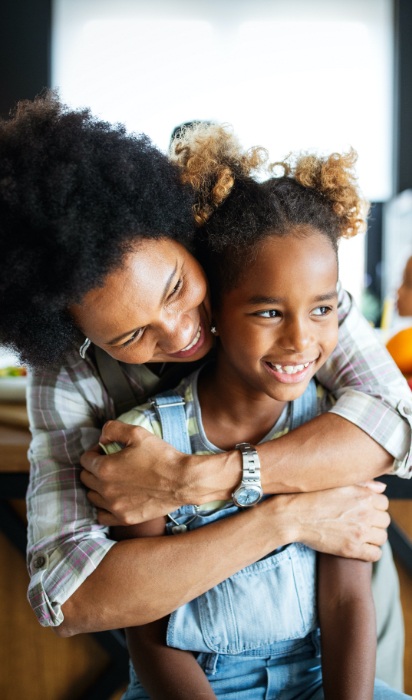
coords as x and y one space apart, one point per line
169 280
261 299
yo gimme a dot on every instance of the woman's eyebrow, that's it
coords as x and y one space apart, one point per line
169 281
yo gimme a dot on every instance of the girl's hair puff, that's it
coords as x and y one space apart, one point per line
211 159
240 201
333 177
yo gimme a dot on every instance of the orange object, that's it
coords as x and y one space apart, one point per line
400 347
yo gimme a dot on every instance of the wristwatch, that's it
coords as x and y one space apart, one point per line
249 492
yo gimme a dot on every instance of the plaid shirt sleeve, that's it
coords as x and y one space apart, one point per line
369 389
65 542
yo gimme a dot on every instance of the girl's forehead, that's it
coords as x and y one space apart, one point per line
291 264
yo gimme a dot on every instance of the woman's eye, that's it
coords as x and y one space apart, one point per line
176 288
321 310
269 313
136 336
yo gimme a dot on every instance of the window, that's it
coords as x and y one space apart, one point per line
289 75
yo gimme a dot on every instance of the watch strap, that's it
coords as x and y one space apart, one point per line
250 463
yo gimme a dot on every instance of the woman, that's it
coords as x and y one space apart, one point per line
94 227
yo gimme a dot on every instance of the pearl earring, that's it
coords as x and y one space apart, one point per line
213 330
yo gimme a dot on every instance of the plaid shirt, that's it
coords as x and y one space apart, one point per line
68 407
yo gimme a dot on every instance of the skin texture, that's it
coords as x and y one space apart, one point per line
283 313
104 600
404 295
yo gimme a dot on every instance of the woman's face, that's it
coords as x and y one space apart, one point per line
155 308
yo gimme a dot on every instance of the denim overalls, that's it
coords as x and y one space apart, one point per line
255 634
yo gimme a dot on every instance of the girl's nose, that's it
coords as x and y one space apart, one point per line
295 337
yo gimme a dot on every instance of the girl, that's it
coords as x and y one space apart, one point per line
274 291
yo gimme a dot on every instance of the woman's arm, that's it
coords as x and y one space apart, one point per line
133 485
348 628
348 521
368 433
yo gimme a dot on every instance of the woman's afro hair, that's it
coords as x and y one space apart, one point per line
75 194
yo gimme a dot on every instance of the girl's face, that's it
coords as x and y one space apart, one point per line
155 308
404 300
280 324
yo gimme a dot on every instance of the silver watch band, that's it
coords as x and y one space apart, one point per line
250 463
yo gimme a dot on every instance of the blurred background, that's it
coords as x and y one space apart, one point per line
286 74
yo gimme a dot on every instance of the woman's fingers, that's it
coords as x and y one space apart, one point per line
377 486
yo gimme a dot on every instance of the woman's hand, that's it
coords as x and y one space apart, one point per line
350 521
148 477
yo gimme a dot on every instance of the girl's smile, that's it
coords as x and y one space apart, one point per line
153 308
289 373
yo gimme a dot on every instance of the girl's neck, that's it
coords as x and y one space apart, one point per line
232 414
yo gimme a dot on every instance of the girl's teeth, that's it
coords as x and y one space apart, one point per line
290 369
194 341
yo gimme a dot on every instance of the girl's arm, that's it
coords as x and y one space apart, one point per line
164 672
348 628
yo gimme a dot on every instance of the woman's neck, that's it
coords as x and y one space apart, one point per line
230 412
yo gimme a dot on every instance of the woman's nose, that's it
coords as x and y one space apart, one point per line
176 331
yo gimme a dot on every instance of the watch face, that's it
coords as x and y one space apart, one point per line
248 495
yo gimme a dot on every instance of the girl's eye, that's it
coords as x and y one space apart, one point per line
269 313
136 336
321 310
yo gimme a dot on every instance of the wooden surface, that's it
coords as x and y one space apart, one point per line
14 443
13 414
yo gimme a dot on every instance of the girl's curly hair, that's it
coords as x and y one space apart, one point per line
240 200
75 194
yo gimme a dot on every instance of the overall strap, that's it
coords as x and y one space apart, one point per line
115 381
305 407
170 409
